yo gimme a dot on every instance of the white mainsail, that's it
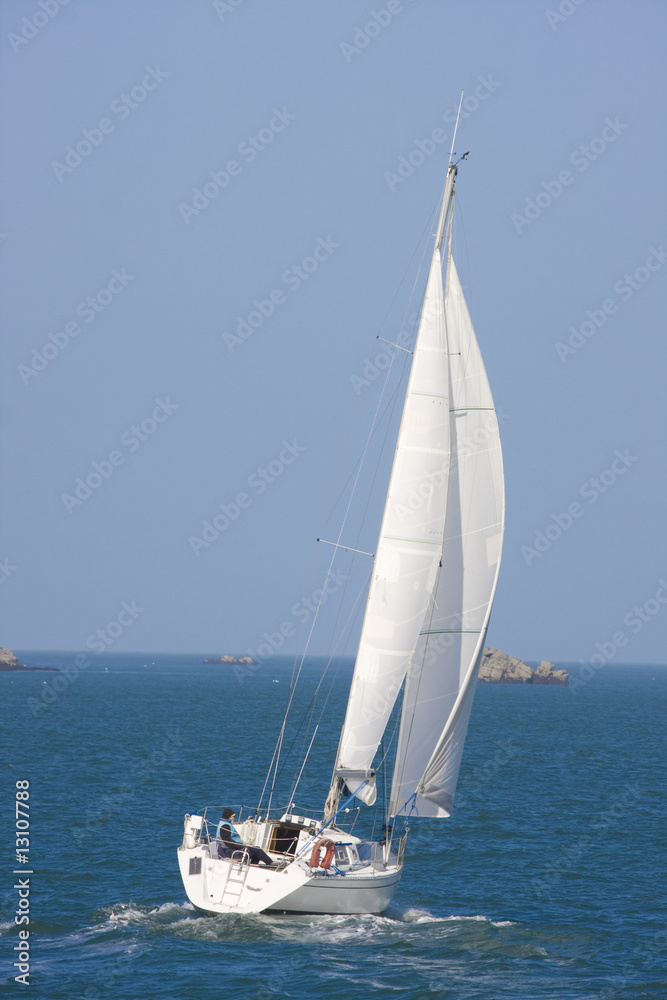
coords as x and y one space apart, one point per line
409 547
442 675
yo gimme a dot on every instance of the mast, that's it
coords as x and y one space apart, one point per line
447 198
410 542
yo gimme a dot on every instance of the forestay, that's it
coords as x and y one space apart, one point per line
409 547
442 674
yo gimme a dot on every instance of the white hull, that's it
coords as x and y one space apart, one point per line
337 894
220 885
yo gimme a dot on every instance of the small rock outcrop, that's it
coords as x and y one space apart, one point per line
545 674
10 661
228 658
499 668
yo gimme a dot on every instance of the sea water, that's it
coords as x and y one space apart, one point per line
547 882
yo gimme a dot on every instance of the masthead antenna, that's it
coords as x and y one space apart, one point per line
458 115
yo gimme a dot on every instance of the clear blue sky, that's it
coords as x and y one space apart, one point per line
314 117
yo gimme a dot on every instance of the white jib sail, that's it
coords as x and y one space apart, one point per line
409 546
441 679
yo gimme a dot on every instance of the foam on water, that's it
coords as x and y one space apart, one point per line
475 916
121 927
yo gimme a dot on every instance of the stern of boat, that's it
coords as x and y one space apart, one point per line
361 878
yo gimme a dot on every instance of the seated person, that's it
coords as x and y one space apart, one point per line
232 842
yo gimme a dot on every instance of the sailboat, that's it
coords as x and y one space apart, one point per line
432 587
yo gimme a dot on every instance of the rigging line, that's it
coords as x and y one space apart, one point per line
296 784
296 672
354 611
413 807
336 476
374 424
406 739
303 658
384 778
391 405
387 426
293 686
330 654
328 574
315 836
388 410
412 291
311 708
304 723
278 750
347 548
381 327
406 364
292 689
389 745
352 618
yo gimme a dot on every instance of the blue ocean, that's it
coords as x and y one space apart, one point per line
546 884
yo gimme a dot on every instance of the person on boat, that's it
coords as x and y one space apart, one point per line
230 841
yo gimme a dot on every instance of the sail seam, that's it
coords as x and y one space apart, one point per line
453 631
416 541
425 451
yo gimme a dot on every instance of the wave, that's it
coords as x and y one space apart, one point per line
126 927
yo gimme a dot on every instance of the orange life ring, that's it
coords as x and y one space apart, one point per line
329 849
